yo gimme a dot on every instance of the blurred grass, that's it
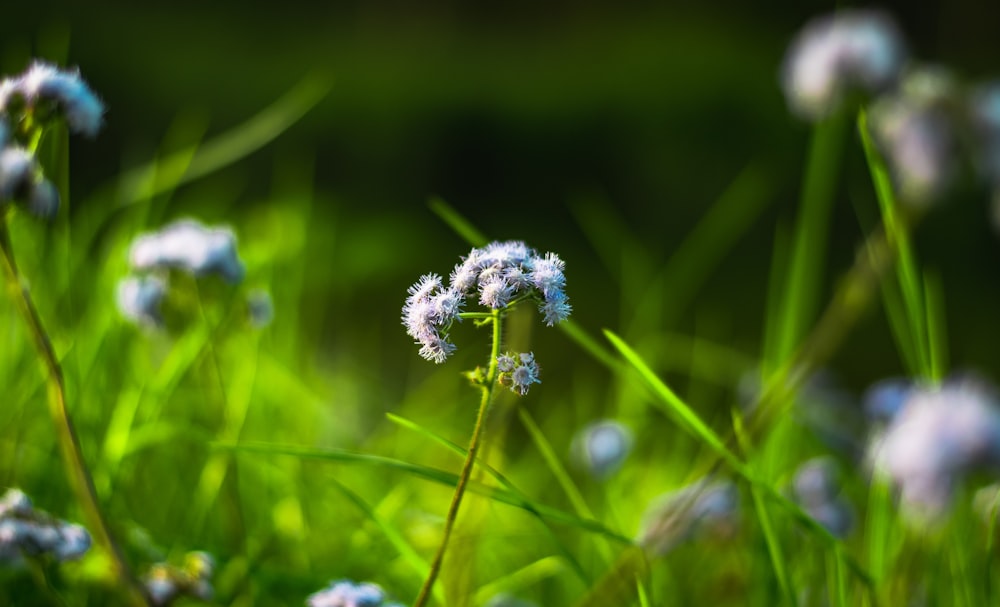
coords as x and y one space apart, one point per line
702 293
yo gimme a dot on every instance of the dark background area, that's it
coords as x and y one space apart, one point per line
514 113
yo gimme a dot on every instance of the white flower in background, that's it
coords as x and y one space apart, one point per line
835 56
189 246
25 531
916 134
601 447
345 593
939 436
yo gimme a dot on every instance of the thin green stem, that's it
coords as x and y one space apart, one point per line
470 458
69 443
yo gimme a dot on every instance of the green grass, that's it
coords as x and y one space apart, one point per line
322 447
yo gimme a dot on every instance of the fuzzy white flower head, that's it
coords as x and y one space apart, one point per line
518 372
939 436
602 447
499 275
72 96
837 55
190 246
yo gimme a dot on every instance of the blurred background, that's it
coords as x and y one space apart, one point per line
536 122
606 132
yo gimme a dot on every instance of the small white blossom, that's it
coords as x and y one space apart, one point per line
940 435
837 55
190 246
602 447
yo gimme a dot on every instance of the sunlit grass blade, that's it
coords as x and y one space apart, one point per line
403 547
232 145
431 474
503 480
559 472
677 409
800 297
897 231
524 577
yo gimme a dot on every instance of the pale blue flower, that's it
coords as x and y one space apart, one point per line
518 373
345 593
832 57
506 363
190 246
25 531
497 276
18 170
65 89
602 447
916 134
940 435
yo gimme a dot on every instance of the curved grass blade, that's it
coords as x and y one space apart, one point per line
498 494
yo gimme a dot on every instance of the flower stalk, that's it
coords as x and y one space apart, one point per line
487 388
69 443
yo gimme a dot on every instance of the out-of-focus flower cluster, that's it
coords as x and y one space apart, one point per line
28 103
189 247
834 57
702 509
925 122
345 593
817 490
497 276
518 372
165 583
25 531
601 447
936 438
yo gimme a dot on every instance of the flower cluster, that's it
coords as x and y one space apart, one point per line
702 508
27 103
518 372
816 489
926 123
601 447
166 583
186 246
25 531
497 276
852 52
939 435
345 593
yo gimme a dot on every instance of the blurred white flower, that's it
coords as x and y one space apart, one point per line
852 51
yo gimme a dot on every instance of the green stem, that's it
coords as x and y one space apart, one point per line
69 443
470 458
